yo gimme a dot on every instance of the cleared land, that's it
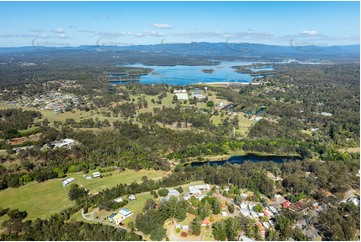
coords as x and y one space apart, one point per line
41 200
126 177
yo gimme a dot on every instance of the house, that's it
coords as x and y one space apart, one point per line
261 229
178 226
243 195
186 197
181 96
266 213
244 238
206 222
223 206
354 200
271 223
197 189
118 218
132 197
68 181
326 114
173 192
96 174
111 217
254 214
266 225
185 227
67 143
286 204
244 205
180 91
224 214
244 212
88 177
273 209
201 196
118 200
126 213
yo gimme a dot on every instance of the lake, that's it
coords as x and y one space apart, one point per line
249 157
185 75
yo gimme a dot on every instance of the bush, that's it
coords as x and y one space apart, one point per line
178 230
163 192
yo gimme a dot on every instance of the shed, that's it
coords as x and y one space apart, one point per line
118 200
96 174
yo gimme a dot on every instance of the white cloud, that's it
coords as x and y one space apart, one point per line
37 30
149 33
112 34
162 26
309 32
59 30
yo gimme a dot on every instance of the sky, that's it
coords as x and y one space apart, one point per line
57 24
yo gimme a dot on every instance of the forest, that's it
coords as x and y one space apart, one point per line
131 127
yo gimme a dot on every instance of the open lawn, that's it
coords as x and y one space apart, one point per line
40 200
126 177
350 150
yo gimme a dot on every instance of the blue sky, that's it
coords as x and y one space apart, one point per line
126 23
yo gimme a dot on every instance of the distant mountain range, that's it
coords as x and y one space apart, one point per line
206 49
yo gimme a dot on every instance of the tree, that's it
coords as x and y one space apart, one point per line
158 234
149 205
210 104
298 235
283 225
219 231
232 227
216 206
231 208
76 193
258 208
163 192
196 226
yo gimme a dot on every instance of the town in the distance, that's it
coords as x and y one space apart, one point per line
168 130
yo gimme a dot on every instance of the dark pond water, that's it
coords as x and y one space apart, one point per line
250 157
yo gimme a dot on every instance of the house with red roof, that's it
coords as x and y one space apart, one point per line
206 222
266 213
286 204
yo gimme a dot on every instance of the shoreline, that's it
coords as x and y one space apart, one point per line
225 83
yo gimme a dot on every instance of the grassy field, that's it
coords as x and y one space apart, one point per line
127 177
41 200
350 150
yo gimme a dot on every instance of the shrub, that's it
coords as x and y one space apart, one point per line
163 192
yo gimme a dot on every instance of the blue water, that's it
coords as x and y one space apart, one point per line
185 75
261 110
250 157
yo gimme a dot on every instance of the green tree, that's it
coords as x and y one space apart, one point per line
158 234
196 226
216 206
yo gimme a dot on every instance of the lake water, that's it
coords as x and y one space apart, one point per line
185 75
250 157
